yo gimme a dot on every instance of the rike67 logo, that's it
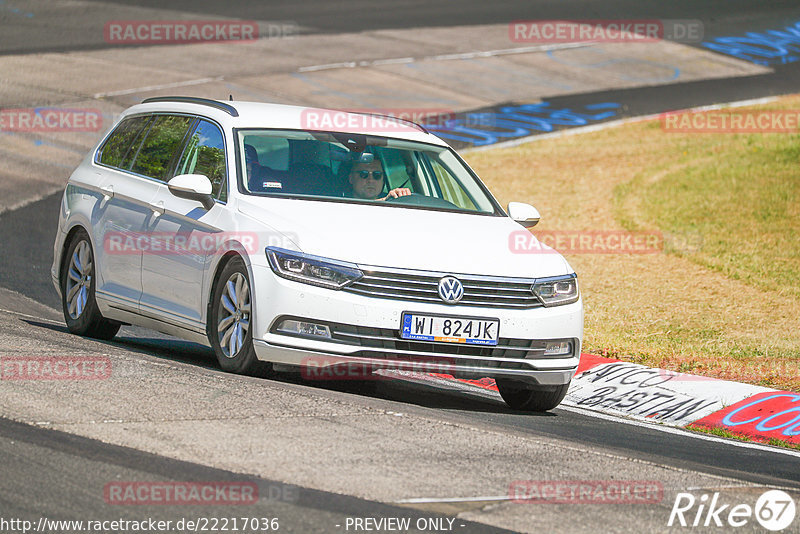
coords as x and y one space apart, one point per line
774 510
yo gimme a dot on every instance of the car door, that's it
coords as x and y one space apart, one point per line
172 278
120 214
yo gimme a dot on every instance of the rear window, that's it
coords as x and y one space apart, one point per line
119 143
159 147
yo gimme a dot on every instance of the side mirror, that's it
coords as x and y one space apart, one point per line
524 214
192 187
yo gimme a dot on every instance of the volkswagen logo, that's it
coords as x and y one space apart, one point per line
450 289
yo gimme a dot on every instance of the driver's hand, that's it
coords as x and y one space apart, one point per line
398 192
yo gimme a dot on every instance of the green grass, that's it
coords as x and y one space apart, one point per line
730 204
723 433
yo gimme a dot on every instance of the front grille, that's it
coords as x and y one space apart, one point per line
421 286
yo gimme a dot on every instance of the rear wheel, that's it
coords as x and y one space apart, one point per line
78 292
521 396
230 331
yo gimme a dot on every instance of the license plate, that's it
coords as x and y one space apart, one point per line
469 330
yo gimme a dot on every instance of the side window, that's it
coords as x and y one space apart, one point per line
272 152
159 147
205 154
450 187
137 142
121 141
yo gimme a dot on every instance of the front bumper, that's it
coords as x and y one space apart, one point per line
375 342
444 364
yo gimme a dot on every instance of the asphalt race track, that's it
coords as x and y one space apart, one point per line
57 460
720 17
322 454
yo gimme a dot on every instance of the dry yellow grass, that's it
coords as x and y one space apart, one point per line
683 309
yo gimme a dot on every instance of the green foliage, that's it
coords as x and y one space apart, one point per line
165 135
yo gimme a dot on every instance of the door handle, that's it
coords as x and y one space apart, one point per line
108 191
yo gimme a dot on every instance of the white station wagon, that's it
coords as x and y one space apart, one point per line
312 238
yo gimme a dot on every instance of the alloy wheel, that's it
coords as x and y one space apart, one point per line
233 320
79 279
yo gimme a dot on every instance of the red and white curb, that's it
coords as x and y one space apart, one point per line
669 398
682 400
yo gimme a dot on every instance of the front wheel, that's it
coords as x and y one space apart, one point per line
521 396
230 327
78 290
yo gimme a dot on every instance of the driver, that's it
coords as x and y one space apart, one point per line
367 181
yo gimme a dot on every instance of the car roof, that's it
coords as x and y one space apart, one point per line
240 114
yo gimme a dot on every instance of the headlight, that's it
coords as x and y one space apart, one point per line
556 290
312 269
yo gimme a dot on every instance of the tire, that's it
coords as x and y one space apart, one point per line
520 396
78 291
231 313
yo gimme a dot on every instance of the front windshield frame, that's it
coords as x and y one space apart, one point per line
497 209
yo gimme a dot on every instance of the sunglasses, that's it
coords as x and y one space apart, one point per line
376 175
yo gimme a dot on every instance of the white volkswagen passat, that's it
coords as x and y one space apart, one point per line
312 239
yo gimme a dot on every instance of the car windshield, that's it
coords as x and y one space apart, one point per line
358 168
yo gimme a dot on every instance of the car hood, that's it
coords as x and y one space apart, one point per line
390 236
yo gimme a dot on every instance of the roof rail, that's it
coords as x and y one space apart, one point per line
421 127
227 108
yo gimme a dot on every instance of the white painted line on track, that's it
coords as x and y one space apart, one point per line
445 57
510 51
12 312
185 83
23 203
399 60
424 500
329 66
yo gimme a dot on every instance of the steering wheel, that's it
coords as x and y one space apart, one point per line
416 199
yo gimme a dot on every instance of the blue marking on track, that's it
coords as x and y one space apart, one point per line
512 122
771 47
